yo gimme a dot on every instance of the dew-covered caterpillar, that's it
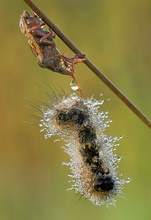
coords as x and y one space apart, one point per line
92 162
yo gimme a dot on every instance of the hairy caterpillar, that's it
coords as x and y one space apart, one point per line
92 162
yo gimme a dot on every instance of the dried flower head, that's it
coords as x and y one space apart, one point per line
92 163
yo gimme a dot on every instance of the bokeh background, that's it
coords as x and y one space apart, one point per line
116 36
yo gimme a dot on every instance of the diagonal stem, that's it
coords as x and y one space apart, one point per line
89 64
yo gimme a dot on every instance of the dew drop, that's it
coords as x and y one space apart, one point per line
73 85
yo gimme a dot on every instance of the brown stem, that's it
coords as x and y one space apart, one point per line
89 64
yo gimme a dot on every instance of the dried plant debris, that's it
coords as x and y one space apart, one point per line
93 165
43 47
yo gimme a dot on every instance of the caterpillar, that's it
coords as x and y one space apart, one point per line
92 163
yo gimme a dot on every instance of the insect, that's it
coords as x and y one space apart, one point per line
78 116
44 48
92 161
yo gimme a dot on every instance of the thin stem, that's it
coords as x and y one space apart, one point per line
89 64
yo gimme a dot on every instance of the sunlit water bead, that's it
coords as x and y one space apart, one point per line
74 86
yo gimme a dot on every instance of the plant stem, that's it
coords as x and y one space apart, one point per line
89 64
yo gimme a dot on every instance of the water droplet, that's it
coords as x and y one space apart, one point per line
73 85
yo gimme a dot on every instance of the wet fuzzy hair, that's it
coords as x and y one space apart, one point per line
81 124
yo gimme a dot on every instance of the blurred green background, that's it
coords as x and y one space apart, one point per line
116 36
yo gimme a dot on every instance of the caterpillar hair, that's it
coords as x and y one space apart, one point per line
92 163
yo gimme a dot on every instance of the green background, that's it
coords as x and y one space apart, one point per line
116 36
